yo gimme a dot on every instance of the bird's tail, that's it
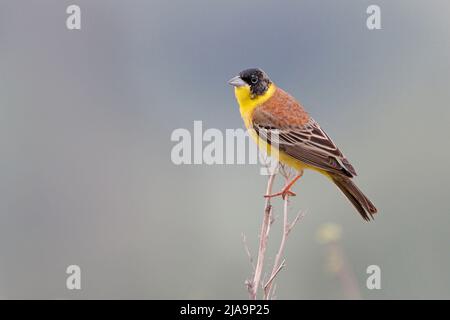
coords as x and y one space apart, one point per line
364 206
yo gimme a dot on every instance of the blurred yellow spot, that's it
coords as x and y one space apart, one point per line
329 232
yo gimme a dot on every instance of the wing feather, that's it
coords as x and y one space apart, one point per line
307 143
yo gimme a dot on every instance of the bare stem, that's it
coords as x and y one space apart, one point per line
253 285
247 251
274 274
279 263
287 227
277 266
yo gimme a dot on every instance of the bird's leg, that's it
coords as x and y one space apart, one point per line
287 189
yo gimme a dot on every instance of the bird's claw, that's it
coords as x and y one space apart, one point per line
283 194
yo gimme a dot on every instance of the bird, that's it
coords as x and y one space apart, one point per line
281 126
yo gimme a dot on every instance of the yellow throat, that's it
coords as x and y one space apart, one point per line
248 102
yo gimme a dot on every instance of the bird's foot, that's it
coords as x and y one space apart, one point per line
287 189
283 193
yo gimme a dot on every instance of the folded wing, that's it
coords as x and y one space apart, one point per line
307 143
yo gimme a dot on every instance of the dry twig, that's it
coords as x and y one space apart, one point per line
264 234
269 286
287 227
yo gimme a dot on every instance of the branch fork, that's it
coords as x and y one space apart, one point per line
279 263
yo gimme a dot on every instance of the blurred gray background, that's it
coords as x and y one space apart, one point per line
86 117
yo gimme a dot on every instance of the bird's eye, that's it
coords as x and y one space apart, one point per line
254 79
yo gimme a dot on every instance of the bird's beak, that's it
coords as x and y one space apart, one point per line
237 82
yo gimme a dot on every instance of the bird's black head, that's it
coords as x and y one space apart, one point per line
257 79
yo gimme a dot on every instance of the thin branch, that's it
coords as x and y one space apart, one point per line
287 227
247 251
272 277
276 264
268 287
265 227
299 216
